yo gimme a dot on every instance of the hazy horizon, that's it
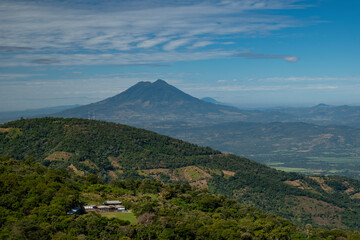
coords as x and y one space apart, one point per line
253 53
238 105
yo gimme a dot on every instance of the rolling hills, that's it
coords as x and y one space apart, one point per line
32 113
323 114
114 151
293 146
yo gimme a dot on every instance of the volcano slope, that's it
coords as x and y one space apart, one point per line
115 151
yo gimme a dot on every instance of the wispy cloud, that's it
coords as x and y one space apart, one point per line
74 73
111 30
7 76
45 61
148 43
267 56
202 44
175 44
14 48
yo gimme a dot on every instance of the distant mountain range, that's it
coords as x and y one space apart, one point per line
160 105
31 113
323 114
307 148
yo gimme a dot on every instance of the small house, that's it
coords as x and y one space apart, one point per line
75 211
112 203
104 208
90 208
120 208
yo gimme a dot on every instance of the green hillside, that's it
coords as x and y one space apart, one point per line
113 151
34 203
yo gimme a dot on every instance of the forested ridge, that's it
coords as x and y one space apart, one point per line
34 202
119 152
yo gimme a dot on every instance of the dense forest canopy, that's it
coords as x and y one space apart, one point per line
34 202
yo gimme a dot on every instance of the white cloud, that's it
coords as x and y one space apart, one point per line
152 42
122 58
175 44
74 28
202 44
250 55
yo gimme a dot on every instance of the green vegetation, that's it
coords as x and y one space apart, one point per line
114 152
34 201
289 169
125 216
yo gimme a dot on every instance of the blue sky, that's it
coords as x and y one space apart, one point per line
251 53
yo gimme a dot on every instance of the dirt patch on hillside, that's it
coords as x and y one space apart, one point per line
317 206
187 174
229 173
5 130
115 162
112 174
59 156
156 173
202 184
322 213
193 173
356 196
73 168
349 189
322 184
299 184
90 164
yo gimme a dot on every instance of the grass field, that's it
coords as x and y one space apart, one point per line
290 169
336 159
127 216
273 164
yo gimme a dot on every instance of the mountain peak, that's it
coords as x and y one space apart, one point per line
150 102
160 81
